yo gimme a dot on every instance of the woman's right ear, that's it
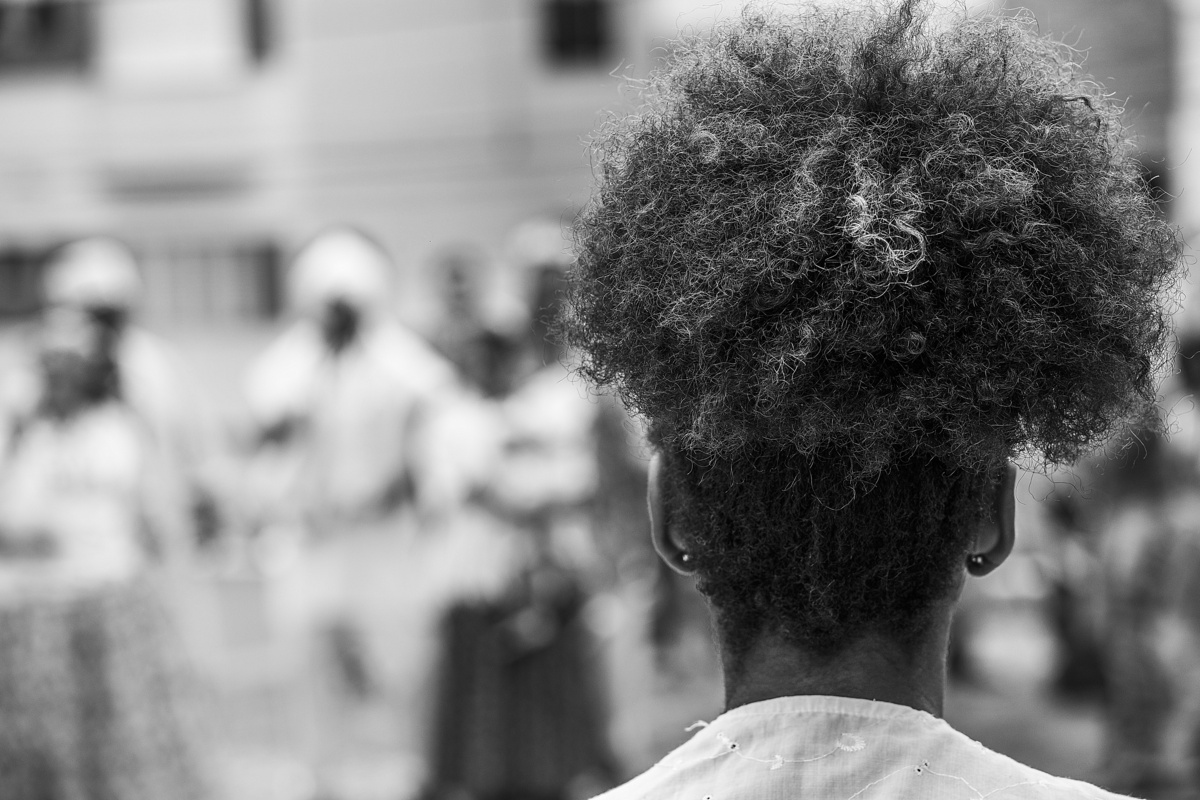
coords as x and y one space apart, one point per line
666 541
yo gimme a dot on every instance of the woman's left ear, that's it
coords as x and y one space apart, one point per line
994 543
666 543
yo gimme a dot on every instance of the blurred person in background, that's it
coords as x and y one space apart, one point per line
849 263
336 402
477 340
521 709
98 277
343 386
1145 505
96 699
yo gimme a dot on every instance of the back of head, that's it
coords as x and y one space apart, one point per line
847 263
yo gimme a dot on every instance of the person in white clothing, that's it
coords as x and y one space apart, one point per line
96 691
98 277
345 383
849 263
337 402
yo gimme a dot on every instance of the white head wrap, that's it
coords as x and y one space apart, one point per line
97 271
341 264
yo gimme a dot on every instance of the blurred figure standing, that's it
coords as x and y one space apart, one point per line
345 384
93 685
521 712
98 278
1151 575
336 402
473 334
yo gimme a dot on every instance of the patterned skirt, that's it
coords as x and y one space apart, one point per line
95 700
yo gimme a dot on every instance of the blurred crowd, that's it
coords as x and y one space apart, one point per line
447 537
447 534
1108 567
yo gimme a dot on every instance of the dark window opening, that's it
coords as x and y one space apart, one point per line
260 40
213 280
267 261
577 31
21 270
41 34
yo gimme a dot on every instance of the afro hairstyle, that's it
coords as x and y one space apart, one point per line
847 263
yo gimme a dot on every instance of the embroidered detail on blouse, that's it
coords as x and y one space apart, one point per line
923 768
721 742
846 743
875 783
851 742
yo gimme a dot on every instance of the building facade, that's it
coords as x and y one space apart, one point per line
216 135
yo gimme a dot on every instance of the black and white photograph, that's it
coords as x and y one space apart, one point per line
599 400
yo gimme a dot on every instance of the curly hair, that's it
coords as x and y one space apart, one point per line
848 262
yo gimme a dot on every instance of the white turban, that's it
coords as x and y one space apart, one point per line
340 264
98 271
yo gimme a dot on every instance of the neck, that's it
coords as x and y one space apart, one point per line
871 667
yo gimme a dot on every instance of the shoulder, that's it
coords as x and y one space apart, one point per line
900 782
834 749
412 357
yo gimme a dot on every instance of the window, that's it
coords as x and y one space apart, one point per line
20 280
267 261
210 281
259 34
40 34
577 32
213 281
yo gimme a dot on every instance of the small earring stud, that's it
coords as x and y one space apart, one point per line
978 564
686 558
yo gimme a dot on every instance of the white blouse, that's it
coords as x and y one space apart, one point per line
837 748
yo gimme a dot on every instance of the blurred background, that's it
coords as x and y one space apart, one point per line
295 501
